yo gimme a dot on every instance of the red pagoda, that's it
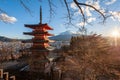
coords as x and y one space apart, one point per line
39 49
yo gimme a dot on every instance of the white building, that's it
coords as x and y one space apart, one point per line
59 44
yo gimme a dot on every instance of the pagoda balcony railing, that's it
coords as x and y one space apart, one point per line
41 44
36 49
40 38
36 41
41 41
38 33
34 32
41 31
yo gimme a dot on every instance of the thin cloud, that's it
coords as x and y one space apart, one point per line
115 15
96 4
81 24
110 2
91 19
86 10
88 13
73 5
7 19
78 12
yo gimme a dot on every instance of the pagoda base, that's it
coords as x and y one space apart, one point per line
37 62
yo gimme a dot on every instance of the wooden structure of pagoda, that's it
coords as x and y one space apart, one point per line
39 50
6 75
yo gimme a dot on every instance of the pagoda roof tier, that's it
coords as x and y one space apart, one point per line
34 26
42 48
39 33
38 49
35 41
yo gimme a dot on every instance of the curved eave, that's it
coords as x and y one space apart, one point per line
50 34
32 33
33 26
35 32
36 41
48 27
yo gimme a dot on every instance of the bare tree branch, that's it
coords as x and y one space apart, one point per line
82 29
24 5
80 11
68 10
78 3
51 11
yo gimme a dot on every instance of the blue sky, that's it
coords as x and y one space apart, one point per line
16 29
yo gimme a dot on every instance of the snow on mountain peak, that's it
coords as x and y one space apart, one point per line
68 33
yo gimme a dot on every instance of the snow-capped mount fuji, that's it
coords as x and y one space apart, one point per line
64 36
68 33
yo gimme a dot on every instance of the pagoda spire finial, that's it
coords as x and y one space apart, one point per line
40 15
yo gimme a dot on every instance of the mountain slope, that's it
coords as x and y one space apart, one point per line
64 36
5 39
